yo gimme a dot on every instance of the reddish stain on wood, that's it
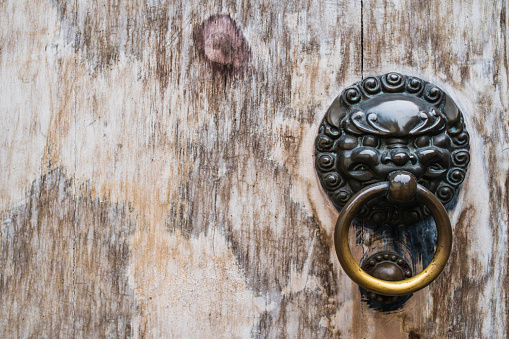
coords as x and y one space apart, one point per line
220 42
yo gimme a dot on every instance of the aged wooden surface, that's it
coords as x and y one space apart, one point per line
157 166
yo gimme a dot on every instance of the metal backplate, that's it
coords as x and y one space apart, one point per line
387 123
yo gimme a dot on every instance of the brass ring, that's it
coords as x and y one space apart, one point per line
392 288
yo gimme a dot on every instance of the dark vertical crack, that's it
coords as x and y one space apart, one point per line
429 40
75 221
225 85
503 29
362 39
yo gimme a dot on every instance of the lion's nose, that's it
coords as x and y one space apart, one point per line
399 157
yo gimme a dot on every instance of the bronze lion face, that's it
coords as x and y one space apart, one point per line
387 123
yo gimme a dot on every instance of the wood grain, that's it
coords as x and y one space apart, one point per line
152 189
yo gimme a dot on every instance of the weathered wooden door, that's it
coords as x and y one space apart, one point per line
157 172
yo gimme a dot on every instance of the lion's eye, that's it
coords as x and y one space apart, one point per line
361 172
361 167
435 167
435 170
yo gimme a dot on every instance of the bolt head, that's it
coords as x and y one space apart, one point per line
402 187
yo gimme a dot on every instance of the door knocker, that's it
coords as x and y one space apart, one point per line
392 150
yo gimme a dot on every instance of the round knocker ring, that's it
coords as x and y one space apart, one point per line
400 187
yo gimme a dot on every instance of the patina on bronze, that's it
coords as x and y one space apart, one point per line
387 123
392 149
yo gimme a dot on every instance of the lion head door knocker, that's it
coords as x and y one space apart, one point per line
391 150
